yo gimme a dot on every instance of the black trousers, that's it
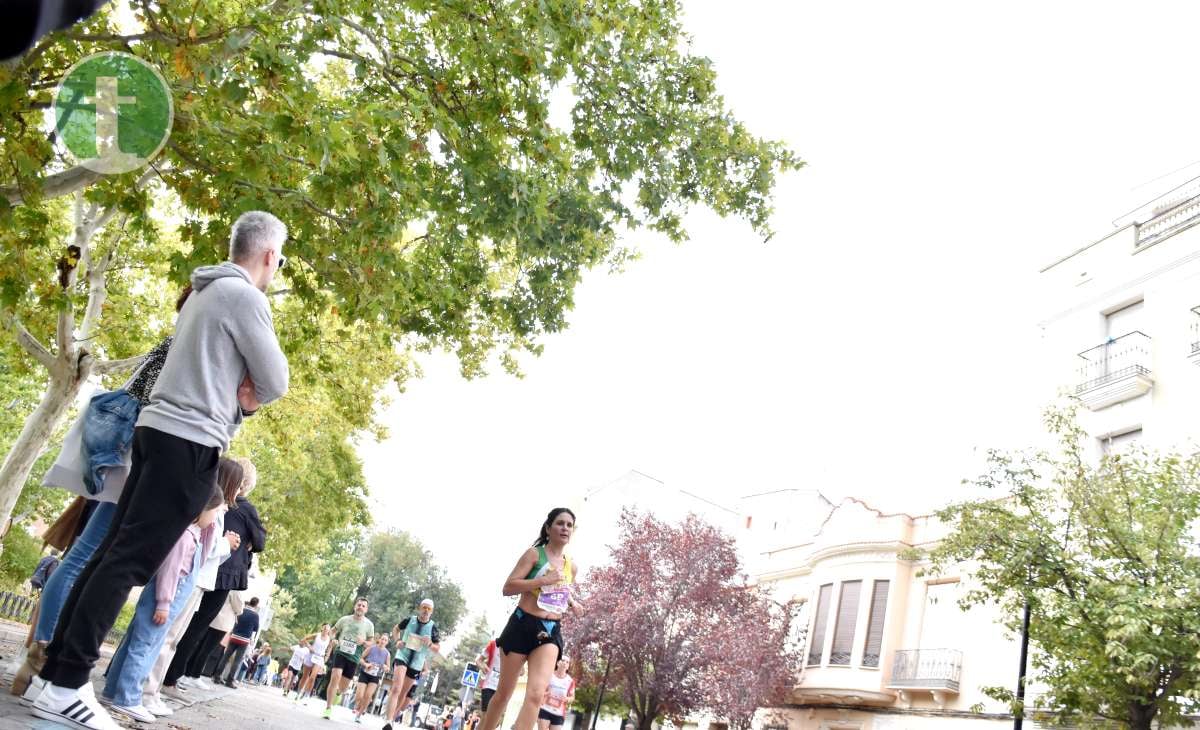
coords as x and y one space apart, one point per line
208 667
169 484
233 657
189 644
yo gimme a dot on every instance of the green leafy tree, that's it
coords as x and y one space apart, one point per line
398 572
391 568
323 589
280 633
1105 555
22 552
587 693
431 193
311 481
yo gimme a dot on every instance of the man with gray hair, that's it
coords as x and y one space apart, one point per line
224 361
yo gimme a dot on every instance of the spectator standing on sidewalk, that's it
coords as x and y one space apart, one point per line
218 579
243 633
224 362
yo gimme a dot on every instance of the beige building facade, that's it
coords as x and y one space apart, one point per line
886 646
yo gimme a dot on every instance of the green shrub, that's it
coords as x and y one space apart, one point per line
20 556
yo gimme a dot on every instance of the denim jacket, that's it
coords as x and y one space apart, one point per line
110 418
107 434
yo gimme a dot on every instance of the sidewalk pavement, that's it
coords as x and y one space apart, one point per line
223 708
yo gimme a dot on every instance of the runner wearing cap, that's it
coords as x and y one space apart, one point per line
416 637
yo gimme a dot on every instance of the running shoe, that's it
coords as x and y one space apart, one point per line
157 707
135 712
36 685
328 713
73 707
176 693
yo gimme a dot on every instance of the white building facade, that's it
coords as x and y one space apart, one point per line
887 647
1121 331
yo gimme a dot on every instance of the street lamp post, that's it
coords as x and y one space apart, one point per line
1019 719
600 695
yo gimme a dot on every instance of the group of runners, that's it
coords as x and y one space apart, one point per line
532 642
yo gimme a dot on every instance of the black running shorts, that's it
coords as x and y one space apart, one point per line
525 632
348 665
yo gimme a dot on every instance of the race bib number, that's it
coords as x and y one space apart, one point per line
414 642
348 646
372 669
555 600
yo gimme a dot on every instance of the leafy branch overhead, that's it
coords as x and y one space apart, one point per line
360 123
448 170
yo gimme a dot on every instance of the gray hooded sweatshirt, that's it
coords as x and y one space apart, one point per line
223 333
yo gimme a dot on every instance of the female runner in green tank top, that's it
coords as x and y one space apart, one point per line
533 635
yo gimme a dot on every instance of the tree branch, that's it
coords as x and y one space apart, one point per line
106 367
57 185
28 342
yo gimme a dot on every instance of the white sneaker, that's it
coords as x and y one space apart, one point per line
137 712
185 682
73 707
157 707
176 693
203 683
36 685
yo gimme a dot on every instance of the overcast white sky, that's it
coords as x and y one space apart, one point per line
886 331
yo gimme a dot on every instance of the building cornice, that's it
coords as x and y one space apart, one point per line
806 566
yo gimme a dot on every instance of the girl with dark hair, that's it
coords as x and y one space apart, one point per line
229 574
533 635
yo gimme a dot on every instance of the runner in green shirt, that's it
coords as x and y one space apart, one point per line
350 635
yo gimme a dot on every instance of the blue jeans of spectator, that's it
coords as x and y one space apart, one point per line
260 673
54 595
144 640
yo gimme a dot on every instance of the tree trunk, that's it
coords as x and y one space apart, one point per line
65 381
645 721
1141 717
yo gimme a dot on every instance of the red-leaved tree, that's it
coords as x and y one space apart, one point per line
679 629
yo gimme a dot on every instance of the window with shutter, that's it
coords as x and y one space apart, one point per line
874 644
847 617
817 644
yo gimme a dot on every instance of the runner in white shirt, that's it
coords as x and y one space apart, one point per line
295 666
314 663
489 662
560 693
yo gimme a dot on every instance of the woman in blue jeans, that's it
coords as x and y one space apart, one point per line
54 595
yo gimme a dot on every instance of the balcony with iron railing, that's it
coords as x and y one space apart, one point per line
1115 371
1168 222
936 671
